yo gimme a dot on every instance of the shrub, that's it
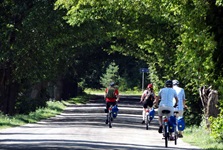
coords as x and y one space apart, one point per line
217 125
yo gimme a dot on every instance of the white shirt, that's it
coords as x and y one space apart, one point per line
180 96
167 95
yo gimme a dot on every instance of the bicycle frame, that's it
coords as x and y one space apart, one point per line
109 116
166 130
166 127
147 117
176 127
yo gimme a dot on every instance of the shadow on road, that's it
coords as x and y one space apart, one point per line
80 126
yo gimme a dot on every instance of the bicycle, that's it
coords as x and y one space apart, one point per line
111 114
167 133
149 115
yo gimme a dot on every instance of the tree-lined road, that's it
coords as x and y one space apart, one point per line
83 127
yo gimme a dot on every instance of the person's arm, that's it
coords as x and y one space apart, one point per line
184 100
142 97
157 100
176 101
117 95
105 93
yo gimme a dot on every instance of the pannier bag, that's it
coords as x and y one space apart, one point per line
115 111
181 124
151 114
171 123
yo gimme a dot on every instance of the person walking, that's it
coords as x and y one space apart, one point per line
181 101
147 99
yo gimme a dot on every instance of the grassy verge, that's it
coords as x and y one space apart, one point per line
81 99
199 136
101 92
52 109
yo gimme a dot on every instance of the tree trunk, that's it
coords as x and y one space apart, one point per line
8 91
58 89
209 99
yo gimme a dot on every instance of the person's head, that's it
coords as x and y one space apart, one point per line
169 83
150 86
112 84
176 82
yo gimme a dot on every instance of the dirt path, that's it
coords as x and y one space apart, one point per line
83 127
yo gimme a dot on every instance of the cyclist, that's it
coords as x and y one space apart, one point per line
181 103
147 99
166 96
111 96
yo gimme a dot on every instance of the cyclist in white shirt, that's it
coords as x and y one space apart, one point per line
181 100
166 96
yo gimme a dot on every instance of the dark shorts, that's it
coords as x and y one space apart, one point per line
147 103
108 104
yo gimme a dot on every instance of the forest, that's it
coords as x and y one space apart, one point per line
54 49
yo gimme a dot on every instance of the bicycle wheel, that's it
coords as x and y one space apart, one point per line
147 122
109 120
175 135
166 135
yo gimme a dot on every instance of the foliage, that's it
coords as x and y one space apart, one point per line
52 109
111 75
174 37
217 125
177 40
199 136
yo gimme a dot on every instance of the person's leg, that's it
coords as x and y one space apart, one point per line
107 106
144 112
160 119
143 115
180 134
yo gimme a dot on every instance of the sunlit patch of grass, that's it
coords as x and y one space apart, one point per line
52 109
80 99
94 91
101 92
199 136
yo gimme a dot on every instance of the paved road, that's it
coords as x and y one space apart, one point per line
83 127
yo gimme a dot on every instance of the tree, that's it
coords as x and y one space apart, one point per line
111 75
172 36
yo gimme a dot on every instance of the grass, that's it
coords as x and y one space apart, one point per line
101 92
52 109
81 99
199 136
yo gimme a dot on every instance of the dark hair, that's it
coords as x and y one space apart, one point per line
169 83
112 83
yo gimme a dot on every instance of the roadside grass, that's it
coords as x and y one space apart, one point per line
199 136
101 92
84 98
52 109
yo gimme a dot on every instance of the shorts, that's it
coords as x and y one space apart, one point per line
161 108
180 113
147 103
108 104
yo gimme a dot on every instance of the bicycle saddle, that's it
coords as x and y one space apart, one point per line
165 111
